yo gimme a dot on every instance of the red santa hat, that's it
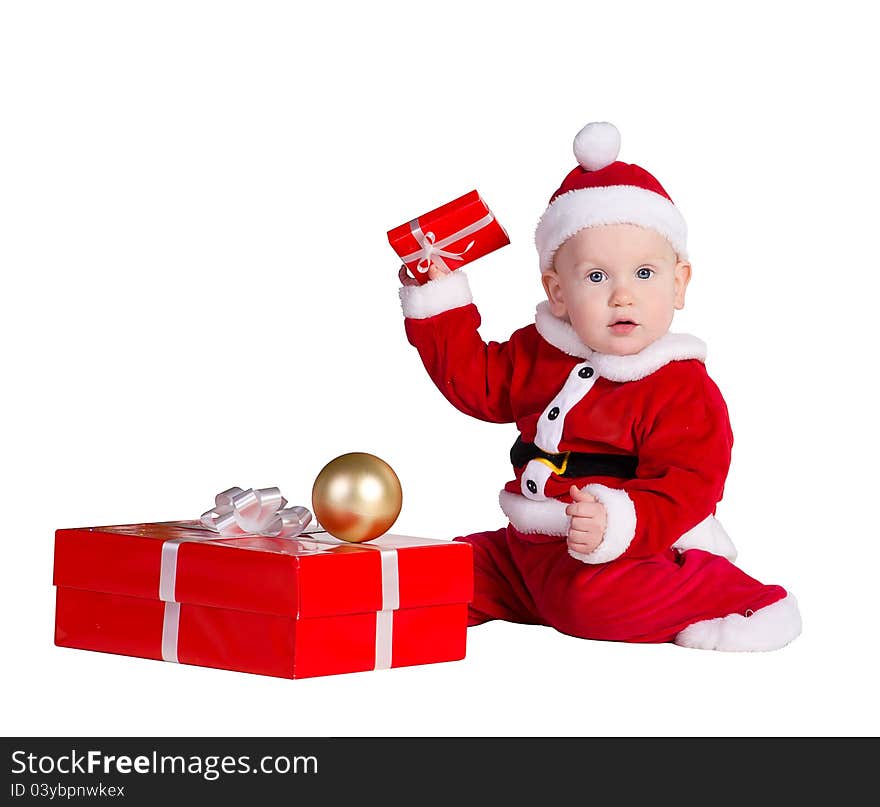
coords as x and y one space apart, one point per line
603 191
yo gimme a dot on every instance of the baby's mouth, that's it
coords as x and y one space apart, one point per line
623 326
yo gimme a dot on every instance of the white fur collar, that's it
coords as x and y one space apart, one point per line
669 347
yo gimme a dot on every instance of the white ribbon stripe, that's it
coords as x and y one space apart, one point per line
390 603
237 513
432 250
170 629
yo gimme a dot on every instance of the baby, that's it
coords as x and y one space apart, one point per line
624 441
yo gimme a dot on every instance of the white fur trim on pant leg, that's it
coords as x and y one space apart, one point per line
769 628
436 296
710 536
620 528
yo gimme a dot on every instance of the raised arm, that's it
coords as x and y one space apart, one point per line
441 323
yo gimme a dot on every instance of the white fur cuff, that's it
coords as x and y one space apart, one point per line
547 517
620 529
436 296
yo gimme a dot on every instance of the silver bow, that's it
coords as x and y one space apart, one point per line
255 512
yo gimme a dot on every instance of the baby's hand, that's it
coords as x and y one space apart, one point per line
434 272
588 520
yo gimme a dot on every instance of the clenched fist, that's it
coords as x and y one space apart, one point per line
588 520
434 272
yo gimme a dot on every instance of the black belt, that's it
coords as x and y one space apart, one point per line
575 463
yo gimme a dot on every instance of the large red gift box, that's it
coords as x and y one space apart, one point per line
451 235
288 607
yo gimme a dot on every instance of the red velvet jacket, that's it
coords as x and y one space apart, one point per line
658 405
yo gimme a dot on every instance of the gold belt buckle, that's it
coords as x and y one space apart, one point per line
557 469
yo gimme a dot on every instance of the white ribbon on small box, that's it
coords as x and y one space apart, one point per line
431 250
238 513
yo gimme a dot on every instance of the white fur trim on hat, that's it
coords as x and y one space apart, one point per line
619 529
768 628
615 204
436 296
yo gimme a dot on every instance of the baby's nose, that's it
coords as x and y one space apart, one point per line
621 295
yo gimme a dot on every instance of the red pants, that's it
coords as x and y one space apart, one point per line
533 579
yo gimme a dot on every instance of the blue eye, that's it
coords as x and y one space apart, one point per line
596 276
644 272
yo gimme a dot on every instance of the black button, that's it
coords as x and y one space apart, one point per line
553 413
585 372
533 488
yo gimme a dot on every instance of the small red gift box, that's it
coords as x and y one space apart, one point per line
288 607
451 235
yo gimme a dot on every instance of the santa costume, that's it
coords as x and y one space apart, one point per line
647 434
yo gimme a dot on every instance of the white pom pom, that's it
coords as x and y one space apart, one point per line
597 145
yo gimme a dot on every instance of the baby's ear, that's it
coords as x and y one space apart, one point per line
553 290
682 276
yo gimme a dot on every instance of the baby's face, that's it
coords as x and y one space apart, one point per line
618 285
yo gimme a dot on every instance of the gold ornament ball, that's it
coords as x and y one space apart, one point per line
357 497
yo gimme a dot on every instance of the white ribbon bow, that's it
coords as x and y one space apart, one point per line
255 512
430 252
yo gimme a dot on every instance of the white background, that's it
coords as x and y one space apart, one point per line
198 293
